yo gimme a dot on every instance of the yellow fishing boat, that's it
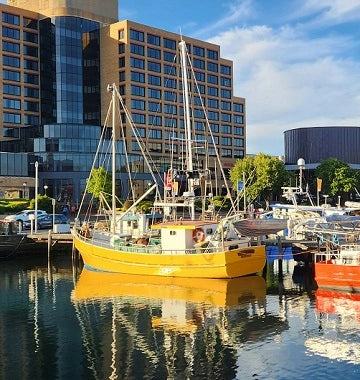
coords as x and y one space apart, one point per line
205 247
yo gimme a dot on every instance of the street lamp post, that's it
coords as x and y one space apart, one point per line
24 191
45 188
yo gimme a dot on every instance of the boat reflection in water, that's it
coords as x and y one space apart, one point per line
339 318
165 321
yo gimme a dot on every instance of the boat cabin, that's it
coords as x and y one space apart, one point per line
185 234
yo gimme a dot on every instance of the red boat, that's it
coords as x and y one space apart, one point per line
339 268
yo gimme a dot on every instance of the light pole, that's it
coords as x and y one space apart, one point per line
24 193
36 192
45 188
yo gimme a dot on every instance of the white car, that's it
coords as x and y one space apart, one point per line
23 216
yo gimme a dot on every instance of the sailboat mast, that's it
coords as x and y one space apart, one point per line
189 158
113 158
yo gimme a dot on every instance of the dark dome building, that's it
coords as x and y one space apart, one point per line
315 144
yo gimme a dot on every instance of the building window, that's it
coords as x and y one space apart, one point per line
155 134
121 34
153 40
11 47
11 104
10 89
30 37
225 152
31 65
155 120
11 61
31 78
169 70
30 92
199 63
238 142
137 63
238 119
122 62
12 118
137 104
30 50
31 106
226 129
135 146
212 54
30 23
136 35
31 120
216 140
226 106
199 125
136 49
225 94
122 48
213 79
213 91
138 118
137 90
170 83
10 33
155 147
226 141
121 76
153 93
213 103
170 109
226 117
154 66
238 153
226 70
199 51
226 82
211 66
10 18
170 122
200 76
213 115
169 57
154 107
154 80
169 44
140 132
239 131
238 107
201 88
153 53
11 75
214 127
170 96
137 77
199 113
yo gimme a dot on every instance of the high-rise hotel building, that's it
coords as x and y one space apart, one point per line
58 58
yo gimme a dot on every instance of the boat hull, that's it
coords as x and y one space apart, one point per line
337 276
230 264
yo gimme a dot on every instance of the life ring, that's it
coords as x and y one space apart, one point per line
198 235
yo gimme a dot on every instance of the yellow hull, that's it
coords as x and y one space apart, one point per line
217 292
229 264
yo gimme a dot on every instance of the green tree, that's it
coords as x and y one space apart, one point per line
264 175
337 177
99 181
43 202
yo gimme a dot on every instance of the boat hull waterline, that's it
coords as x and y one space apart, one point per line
228 264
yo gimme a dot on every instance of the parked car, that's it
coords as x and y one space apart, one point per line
46 221
23 216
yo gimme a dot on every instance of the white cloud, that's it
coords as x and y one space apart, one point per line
291 81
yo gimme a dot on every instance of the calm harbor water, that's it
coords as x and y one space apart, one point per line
58 321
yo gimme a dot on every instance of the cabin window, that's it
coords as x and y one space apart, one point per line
209 231
135 225
172 233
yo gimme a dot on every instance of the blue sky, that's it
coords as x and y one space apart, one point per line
297 62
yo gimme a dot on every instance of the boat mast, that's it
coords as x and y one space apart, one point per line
189 158
111 88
